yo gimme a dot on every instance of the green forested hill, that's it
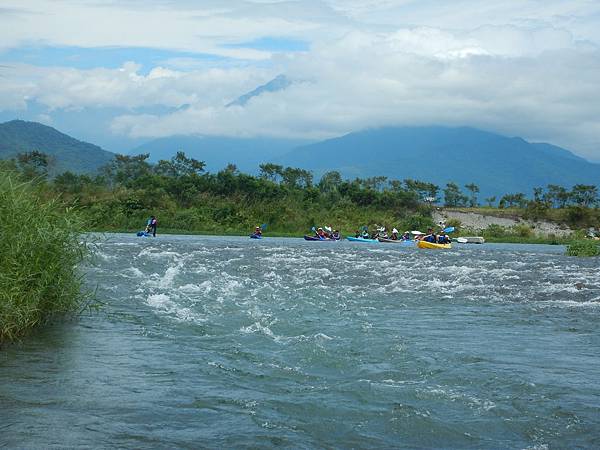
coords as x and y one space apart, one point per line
496 163
18 136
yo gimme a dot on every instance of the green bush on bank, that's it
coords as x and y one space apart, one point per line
583 248
40 250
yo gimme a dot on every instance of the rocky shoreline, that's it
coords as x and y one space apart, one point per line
479 222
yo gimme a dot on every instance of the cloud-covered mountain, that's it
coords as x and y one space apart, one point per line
279 83
18 136
497 164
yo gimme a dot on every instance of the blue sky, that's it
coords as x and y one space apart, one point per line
121 72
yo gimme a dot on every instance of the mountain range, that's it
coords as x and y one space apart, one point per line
496 163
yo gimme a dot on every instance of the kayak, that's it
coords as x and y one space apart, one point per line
397 241
425 244
143 234
256 236
471 240
315 238
359 239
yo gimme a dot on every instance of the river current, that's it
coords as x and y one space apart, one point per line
213 342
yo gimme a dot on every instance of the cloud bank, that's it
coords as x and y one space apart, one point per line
520 68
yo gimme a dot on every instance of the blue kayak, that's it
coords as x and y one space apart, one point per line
397 241
256 236
143 234
359 239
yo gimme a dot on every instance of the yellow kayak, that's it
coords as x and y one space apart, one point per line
425 244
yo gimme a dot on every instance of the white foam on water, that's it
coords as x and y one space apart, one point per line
162 303
258 328
323 337
105 256
134 272
170 274
454 396
191 288
156 254
573 304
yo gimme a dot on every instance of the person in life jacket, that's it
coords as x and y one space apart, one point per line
258 231
394 236
430 236
321 234
406 236
443 238
335 235
153 225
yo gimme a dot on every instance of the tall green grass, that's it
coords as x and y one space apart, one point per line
583 248
40 250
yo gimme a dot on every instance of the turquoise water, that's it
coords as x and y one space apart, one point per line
208 342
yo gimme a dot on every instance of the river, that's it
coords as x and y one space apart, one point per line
214 342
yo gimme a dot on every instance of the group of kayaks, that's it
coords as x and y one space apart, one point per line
409 243
421 240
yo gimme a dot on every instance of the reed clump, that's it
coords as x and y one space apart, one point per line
40 252
583 248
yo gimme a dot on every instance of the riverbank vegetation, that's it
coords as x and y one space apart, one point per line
40 250
188 199
584 248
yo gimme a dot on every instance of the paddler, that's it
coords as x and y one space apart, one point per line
394 236
443 238
153 224
430 236
258 231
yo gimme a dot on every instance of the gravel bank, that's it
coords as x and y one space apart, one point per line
478 222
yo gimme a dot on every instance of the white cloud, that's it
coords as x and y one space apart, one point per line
519 67
416 77
125 87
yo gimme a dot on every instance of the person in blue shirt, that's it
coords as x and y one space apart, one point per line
430 236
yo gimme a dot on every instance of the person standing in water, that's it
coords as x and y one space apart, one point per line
153 224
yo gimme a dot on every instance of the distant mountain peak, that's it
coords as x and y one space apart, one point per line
279 83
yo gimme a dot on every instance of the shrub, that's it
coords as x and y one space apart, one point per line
583 248
522 230
41 249
494 230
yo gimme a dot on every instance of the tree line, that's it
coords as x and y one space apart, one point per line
183 177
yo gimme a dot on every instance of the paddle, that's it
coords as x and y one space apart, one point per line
462 240
263 226
416 232
449 230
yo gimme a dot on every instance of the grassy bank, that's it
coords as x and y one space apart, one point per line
40 250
